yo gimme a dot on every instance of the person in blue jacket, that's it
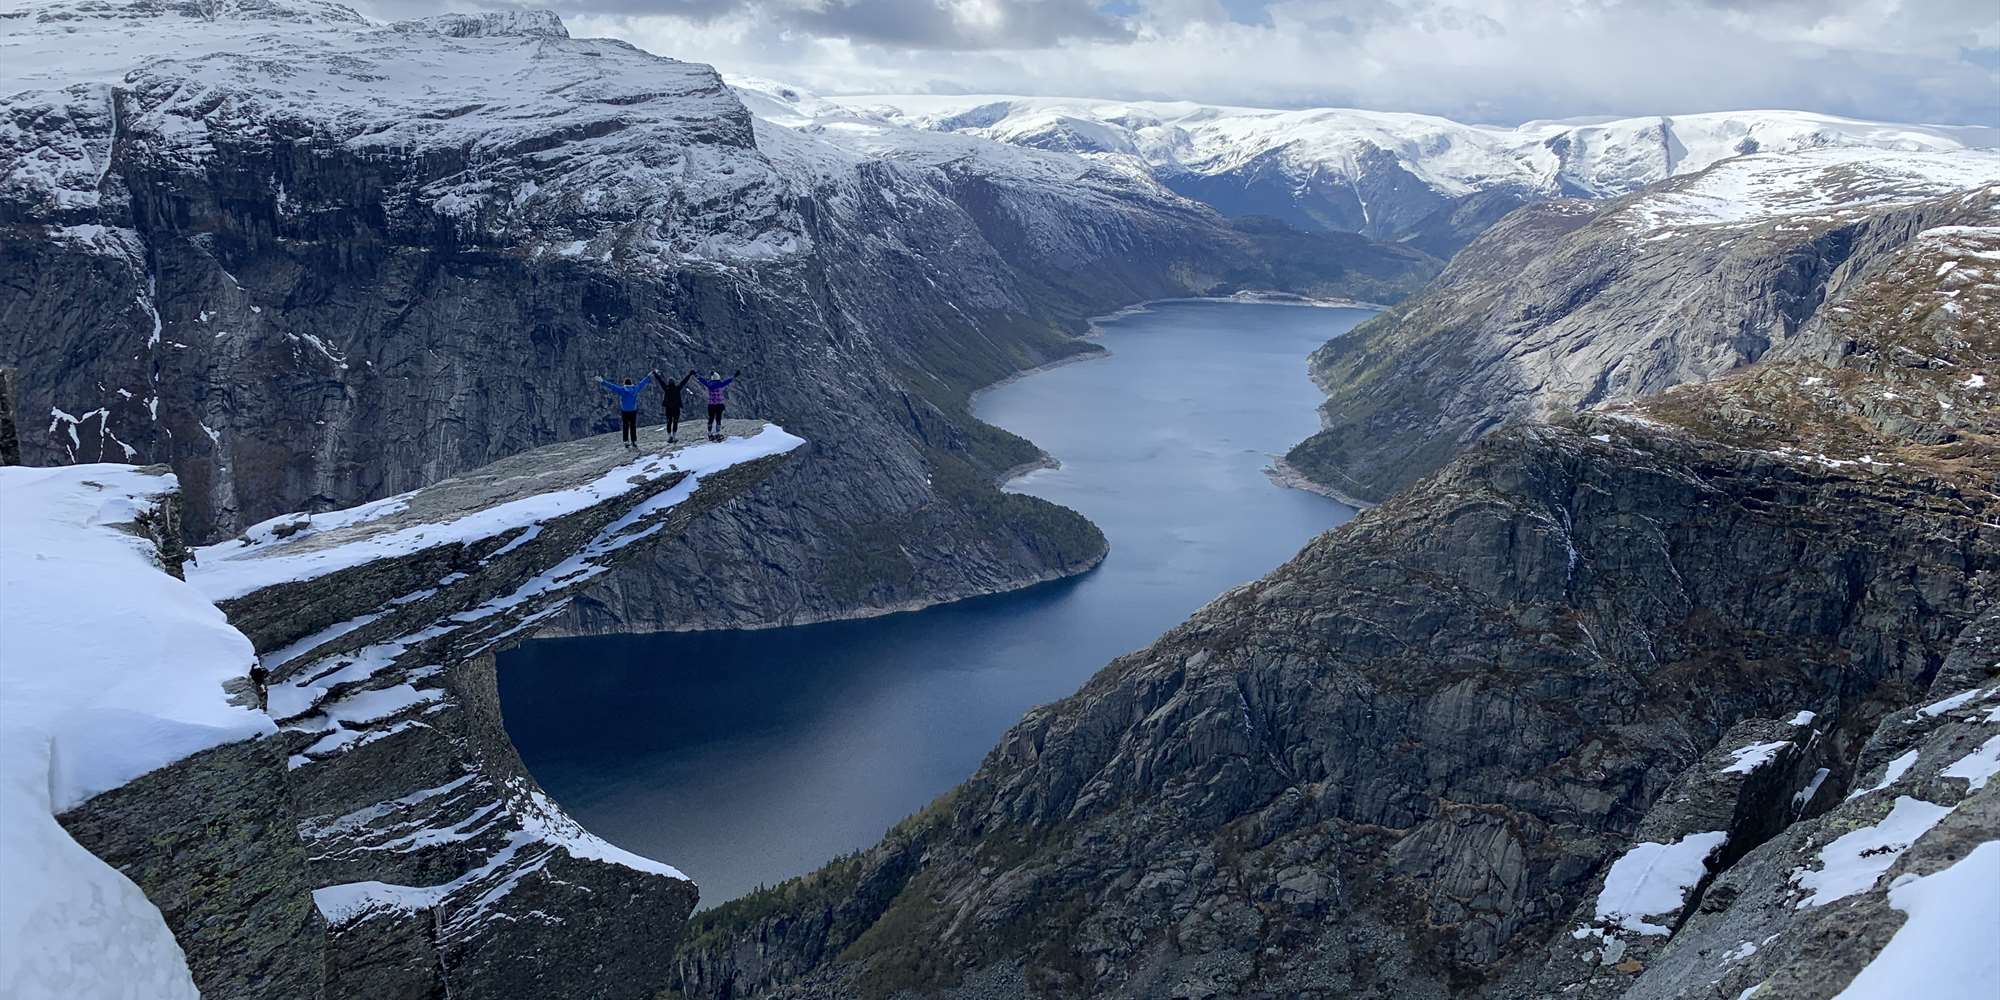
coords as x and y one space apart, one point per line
628 407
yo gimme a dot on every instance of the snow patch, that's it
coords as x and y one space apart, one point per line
1804 796
1653 879
109 668
1945 947
1891 774
1966 697
1853 862
1750 758
1977 766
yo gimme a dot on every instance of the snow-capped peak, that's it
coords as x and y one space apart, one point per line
542 23
1592 157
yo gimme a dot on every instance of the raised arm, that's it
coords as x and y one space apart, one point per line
607 383
644 382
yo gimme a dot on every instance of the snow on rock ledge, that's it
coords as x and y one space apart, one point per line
427 836
109 668
395 845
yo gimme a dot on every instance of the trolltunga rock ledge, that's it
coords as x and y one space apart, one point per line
386 840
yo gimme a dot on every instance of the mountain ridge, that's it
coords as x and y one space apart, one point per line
1381 173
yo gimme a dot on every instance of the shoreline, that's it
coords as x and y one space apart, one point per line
861 614
1287 475
1243 298
1095 352
1047 461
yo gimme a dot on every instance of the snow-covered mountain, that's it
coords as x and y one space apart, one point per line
524 135
1383 173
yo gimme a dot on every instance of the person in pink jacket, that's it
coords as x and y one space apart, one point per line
717 399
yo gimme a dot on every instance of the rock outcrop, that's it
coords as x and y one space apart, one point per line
1567 304
387 840
1695 632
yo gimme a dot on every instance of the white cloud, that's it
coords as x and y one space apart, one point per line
1488 60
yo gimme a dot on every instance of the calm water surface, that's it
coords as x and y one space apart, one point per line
746 757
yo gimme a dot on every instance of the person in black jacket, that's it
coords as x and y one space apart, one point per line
672 402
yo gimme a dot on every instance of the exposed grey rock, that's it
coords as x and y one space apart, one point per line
1403 761
387 841
213 841
1745 797
1448 230
10 436
1760 930
1568 304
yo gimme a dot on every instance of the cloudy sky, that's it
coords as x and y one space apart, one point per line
1482 60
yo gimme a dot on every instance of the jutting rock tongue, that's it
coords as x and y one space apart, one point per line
388 837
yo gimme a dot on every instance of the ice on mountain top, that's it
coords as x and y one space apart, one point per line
1600 157
1822 182
654 153
540 23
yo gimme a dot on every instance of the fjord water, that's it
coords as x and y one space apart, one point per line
745 757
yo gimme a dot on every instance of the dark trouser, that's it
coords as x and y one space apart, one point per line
628 426
715 418
673 421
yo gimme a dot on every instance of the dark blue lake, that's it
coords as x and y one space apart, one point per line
746 757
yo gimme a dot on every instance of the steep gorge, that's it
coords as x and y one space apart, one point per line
1405 763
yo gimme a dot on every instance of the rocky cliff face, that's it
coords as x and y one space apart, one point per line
387 841
1566 304
311 261
1611 706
